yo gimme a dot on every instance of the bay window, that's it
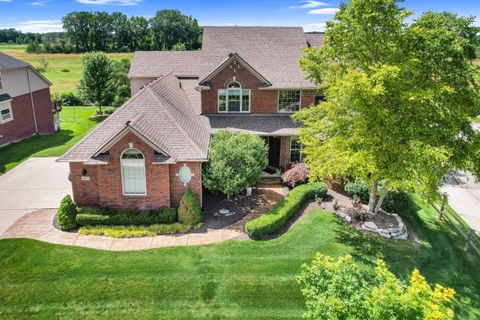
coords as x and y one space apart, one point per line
234 98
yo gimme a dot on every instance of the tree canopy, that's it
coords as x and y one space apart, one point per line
236 161
342 290
400 98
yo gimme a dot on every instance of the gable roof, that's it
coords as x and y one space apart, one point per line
273 52
9 62
161 115
235 57
315 40
154 64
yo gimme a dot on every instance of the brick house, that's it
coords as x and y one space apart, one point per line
25 105
152 148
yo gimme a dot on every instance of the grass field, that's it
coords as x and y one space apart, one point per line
75 123
58 63
231 280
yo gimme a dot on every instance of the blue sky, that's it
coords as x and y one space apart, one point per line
45 15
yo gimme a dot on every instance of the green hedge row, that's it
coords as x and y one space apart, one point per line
105 217
274 219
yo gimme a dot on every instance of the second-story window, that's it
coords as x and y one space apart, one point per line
289 100
234 98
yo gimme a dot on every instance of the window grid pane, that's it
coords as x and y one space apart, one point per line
222 100
295 150
246 100
134 179
289 100
6 114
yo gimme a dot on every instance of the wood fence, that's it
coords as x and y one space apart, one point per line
447 214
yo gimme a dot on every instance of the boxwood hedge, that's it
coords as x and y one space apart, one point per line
106 217
274 219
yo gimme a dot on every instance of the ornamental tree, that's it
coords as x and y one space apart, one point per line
236 161
96 84
399 98
341 290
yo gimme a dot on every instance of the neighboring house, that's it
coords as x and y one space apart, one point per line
151 149
25 105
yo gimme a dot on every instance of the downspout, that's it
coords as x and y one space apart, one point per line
31 99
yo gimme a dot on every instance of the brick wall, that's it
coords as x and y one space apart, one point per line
284 153
262 101
43 111
177 188
22 125
104 189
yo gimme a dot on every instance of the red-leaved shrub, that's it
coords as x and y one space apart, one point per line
296 175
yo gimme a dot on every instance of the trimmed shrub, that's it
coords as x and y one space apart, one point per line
399 202
70 99
105 217
189 210
296 175
136 231
109 110
357 188
274 219
66 214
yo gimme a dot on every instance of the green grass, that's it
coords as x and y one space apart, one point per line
230 280
75 123
62 81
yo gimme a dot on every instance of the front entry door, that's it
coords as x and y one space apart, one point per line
274 152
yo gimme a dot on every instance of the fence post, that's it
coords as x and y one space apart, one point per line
469 240
443 200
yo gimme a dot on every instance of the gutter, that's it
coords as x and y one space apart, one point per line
31 99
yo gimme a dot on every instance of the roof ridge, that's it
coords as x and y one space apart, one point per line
160 99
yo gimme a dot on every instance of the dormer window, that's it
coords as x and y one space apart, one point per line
234 98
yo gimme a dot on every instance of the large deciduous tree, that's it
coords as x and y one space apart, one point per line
399 98
170 27
236 161
96 84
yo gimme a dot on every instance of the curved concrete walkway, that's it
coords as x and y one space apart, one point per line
38 225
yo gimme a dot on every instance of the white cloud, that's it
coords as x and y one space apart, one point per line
111 2
315 27
5 0
324 11
40 26
39 2
312 4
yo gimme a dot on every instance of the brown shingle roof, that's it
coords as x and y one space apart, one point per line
154 64
315 40
264 124
9 62
273 52
162 114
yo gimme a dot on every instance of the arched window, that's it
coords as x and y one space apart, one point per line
234 98
133 172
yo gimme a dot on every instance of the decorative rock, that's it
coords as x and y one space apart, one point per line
370 226
226 212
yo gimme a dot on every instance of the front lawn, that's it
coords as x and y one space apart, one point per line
75 123
231 280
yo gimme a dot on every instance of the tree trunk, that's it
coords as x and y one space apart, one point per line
373 196
382 197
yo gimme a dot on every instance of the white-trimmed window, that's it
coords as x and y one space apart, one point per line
295 150
6 113
289 100
234 98
133 173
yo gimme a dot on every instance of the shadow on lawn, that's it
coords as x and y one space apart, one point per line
19 151
437 253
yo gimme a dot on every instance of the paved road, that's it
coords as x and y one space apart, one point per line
35 184
464 196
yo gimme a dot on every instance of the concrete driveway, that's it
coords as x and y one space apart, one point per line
37 183
464 196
